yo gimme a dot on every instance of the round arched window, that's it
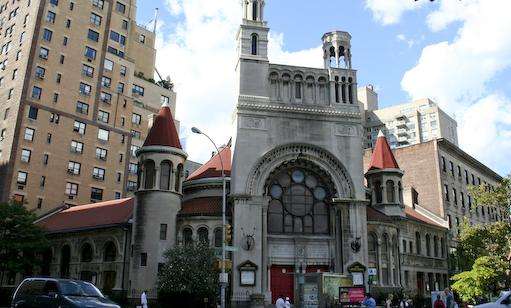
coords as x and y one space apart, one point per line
299 203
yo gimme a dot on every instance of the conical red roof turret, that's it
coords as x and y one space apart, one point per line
382 157
163 132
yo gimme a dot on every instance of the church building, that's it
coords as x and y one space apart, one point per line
303 207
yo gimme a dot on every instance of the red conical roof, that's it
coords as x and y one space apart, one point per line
213 168
163 132
382 157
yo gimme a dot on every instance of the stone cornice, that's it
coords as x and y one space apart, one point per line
297 109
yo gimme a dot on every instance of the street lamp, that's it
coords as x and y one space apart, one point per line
223 276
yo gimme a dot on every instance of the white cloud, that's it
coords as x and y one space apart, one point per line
199 54
458 73
389 12
409 41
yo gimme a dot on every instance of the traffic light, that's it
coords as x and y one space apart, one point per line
228 233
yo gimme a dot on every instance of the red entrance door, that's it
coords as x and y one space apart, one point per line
282 282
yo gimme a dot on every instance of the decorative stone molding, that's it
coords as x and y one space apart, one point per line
291 152
302 109
253 123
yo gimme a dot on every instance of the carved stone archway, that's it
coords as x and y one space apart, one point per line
256 179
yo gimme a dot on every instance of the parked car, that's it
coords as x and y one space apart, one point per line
56 293
504 301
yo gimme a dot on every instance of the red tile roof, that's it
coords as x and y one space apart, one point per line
163 132
93 215
213 169
382 157
414 215
207 206
375 215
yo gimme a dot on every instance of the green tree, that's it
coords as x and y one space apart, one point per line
488 274
499 196
482 240
189 270
21 241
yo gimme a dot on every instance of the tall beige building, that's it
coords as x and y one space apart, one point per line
76 100
405 124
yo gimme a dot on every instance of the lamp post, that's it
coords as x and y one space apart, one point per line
223 276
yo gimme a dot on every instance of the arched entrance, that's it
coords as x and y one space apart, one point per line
299 217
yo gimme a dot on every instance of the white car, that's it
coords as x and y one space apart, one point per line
504 301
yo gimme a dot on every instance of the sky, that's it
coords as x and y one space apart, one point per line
456 52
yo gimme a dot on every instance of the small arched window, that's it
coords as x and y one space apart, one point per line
150 174
385 247
187 236
110 252
435 246
336 89
254 44
86 253
203 234
418 246
378 191
343 89
428 245
65 259
350 90
442 247
179 175
165 171
218 237
254 10
400 191
391 191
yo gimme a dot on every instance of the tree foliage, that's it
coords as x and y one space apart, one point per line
482 254
488 274
499 196
20 239
482 240
189 270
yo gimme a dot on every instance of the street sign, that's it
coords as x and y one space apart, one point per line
372 271
231 248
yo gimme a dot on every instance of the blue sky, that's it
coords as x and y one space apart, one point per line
456 52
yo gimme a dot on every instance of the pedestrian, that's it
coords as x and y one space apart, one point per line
369 301
449 298
143 299
403 303
288 302
280 303
388 302
439 303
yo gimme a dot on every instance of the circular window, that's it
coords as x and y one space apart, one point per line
319 193
284 179
276 191
298 176
311 181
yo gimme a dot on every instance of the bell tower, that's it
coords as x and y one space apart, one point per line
252 42
337 48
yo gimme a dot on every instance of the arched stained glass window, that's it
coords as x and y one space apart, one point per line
299 203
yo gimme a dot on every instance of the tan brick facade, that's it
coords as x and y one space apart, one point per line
90 65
